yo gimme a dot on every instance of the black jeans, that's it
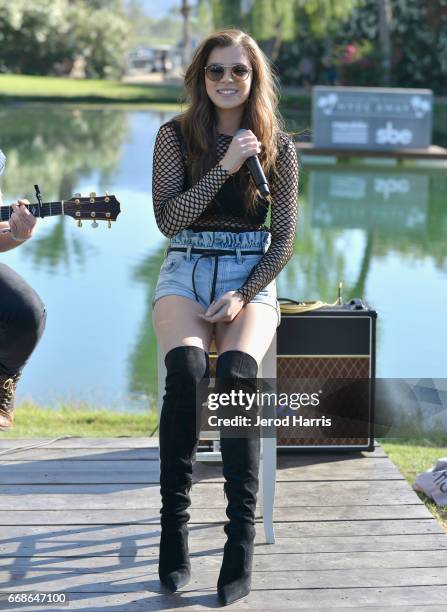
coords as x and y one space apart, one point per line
22 321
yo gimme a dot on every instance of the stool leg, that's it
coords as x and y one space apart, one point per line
269 451
268 486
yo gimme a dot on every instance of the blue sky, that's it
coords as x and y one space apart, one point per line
159 8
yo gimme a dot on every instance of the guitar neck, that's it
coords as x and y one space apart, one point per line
47 209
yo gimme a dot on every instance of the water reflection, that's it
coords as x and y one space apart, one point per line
379 230
143 356
57 149
389 201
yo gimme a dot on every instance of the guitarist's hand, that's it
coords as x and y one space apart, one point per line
22 222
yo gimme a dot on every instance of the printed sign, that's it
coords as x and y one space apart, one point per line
371 118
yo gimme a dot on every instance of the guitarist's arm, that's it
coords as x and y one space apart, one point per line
21 226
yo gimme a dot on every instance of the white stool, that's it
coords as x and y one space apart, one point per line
267 468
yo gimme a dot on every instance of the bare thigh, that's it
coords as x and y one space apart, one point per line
176 323
252 331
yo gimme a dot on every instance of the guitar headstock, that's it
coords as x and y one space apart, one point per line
94 208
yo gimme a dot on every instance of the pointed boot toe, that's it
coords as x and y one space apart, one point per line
175 580
234 590
174 567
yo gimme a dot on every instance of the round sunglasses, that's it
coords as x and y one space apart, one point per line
215 72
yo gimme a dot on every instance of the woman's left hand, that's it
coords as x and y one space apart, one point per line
225 309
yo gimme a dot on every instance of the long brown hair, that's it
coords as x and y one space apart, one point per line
199 122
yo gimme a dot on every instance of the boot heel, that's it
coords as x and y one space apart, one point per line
235 574
174 565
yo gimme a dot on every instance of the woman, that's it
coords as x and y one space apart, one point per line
22 313
218 279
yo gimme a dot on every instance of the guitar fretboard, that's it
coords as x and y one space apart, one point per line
47 209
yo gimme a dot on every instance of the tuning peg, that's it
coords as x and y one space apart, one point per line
92 194
79 223
109 224
107 193
94 224
77 195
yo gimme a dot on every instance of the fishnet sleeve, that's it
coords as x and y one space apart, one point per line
176 210
284 192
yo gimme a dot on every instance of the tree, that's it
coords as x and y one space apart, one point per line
37 37
186 42
418 39
385 17
274 22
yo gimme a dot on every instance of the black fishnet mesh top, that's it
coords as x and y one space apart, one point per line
176 209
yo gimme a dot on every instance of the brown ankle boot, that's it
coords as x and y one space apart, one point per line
8 386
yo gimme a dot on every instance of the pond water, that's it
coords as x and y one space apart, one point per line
379 229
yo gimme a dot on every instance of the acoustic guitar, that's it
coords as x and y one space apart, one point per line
94 208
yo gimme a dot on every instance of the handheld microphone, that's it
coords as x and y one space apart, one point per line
257 172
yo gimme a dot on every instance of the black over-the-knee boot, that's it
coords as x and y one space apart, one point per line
240 457
185 367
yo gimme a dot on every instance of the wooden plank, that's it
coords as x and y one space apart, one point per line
308 469
115 574
389 527
334 455
53 451
140 542
139 471
295 451
322 514
63 460
123 454
210 495
46 453
132 442
82 442
274 562
307 600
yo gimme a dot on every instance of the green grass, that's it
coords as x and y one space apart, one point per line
414 456
51 89
27 88
18 87
32 421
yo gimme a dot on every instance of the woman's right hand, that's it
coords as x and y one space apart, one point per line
244 145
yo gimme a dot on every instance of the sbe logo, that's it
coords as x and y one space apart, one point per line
391 135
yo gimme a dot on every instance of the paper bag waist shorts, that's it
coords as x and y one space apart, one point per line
211 263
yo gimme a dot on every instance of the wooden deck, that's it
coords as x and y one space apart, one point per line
82 516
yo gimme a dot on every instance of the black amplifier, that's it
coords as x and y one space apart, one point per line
329 343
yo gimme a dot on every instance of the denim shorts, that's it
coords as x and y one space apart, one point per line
224 272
